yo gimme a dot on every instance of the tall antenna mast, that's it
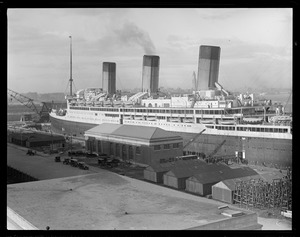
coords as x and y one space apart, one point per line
71 80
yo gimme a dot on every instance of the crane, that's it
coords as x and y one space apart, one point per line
28 102
41 116
193 139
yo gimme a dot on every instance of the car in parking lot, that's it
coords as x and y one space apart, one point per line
30 152
76 153
91 155
82 165
74 162
66 161
57 158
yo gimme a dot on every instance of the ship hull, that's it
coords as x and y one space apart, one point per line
268 151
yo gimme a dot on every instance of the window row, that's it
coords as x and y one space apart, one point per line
79 108
211 111
166 146
105 109
264 129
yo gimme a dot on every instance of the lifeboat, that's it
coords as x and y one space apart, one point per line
227 122
175 120
188 120
253 120
207 121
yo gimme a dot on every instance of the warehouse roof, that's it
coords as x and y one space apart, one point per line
191 167
219 175
34 137
208 177
131 131
230 183
105 128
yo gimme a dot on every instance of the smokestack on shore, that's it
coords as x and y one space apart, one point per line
109 77
208 67
150 75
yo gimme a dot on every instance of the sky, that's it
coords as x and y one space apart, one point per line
256 46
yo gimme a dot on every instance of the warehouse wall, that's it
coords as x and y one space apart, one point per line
222 194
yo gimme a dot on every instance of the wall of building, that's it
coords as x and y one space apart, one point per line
140 154
150 175
222 194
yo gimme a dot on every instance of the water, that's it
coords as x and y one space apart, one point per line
15 111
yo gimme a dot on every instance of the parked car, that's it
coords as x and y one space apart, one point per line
74 162
102 161
57 158
82 165
91 155
116 161
76 153
30 153
66 161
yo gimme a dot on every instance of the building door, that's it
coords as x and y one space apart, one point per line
111 148
117 150
124 152
99 146
130 153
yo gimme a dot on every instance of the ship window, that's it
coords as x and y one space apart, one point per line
175 145
156 147
275 129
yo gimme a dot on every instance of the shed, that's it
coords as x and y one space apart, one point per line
155 173
183 170
34 139
202 182
223 190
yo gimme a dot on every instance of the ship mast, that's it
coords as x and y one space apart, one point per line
71 80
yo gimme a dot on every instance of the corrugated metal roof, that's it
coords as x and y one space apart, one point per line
230 183
191 167
104 128
33 137
205 171
209 177
132 131
214 175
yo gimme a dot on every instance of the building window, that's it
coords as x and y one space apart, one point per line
118 150
138 150
156 147
176 145
167 146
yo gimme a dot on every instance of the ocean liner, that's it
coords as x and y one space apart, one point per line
211 120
